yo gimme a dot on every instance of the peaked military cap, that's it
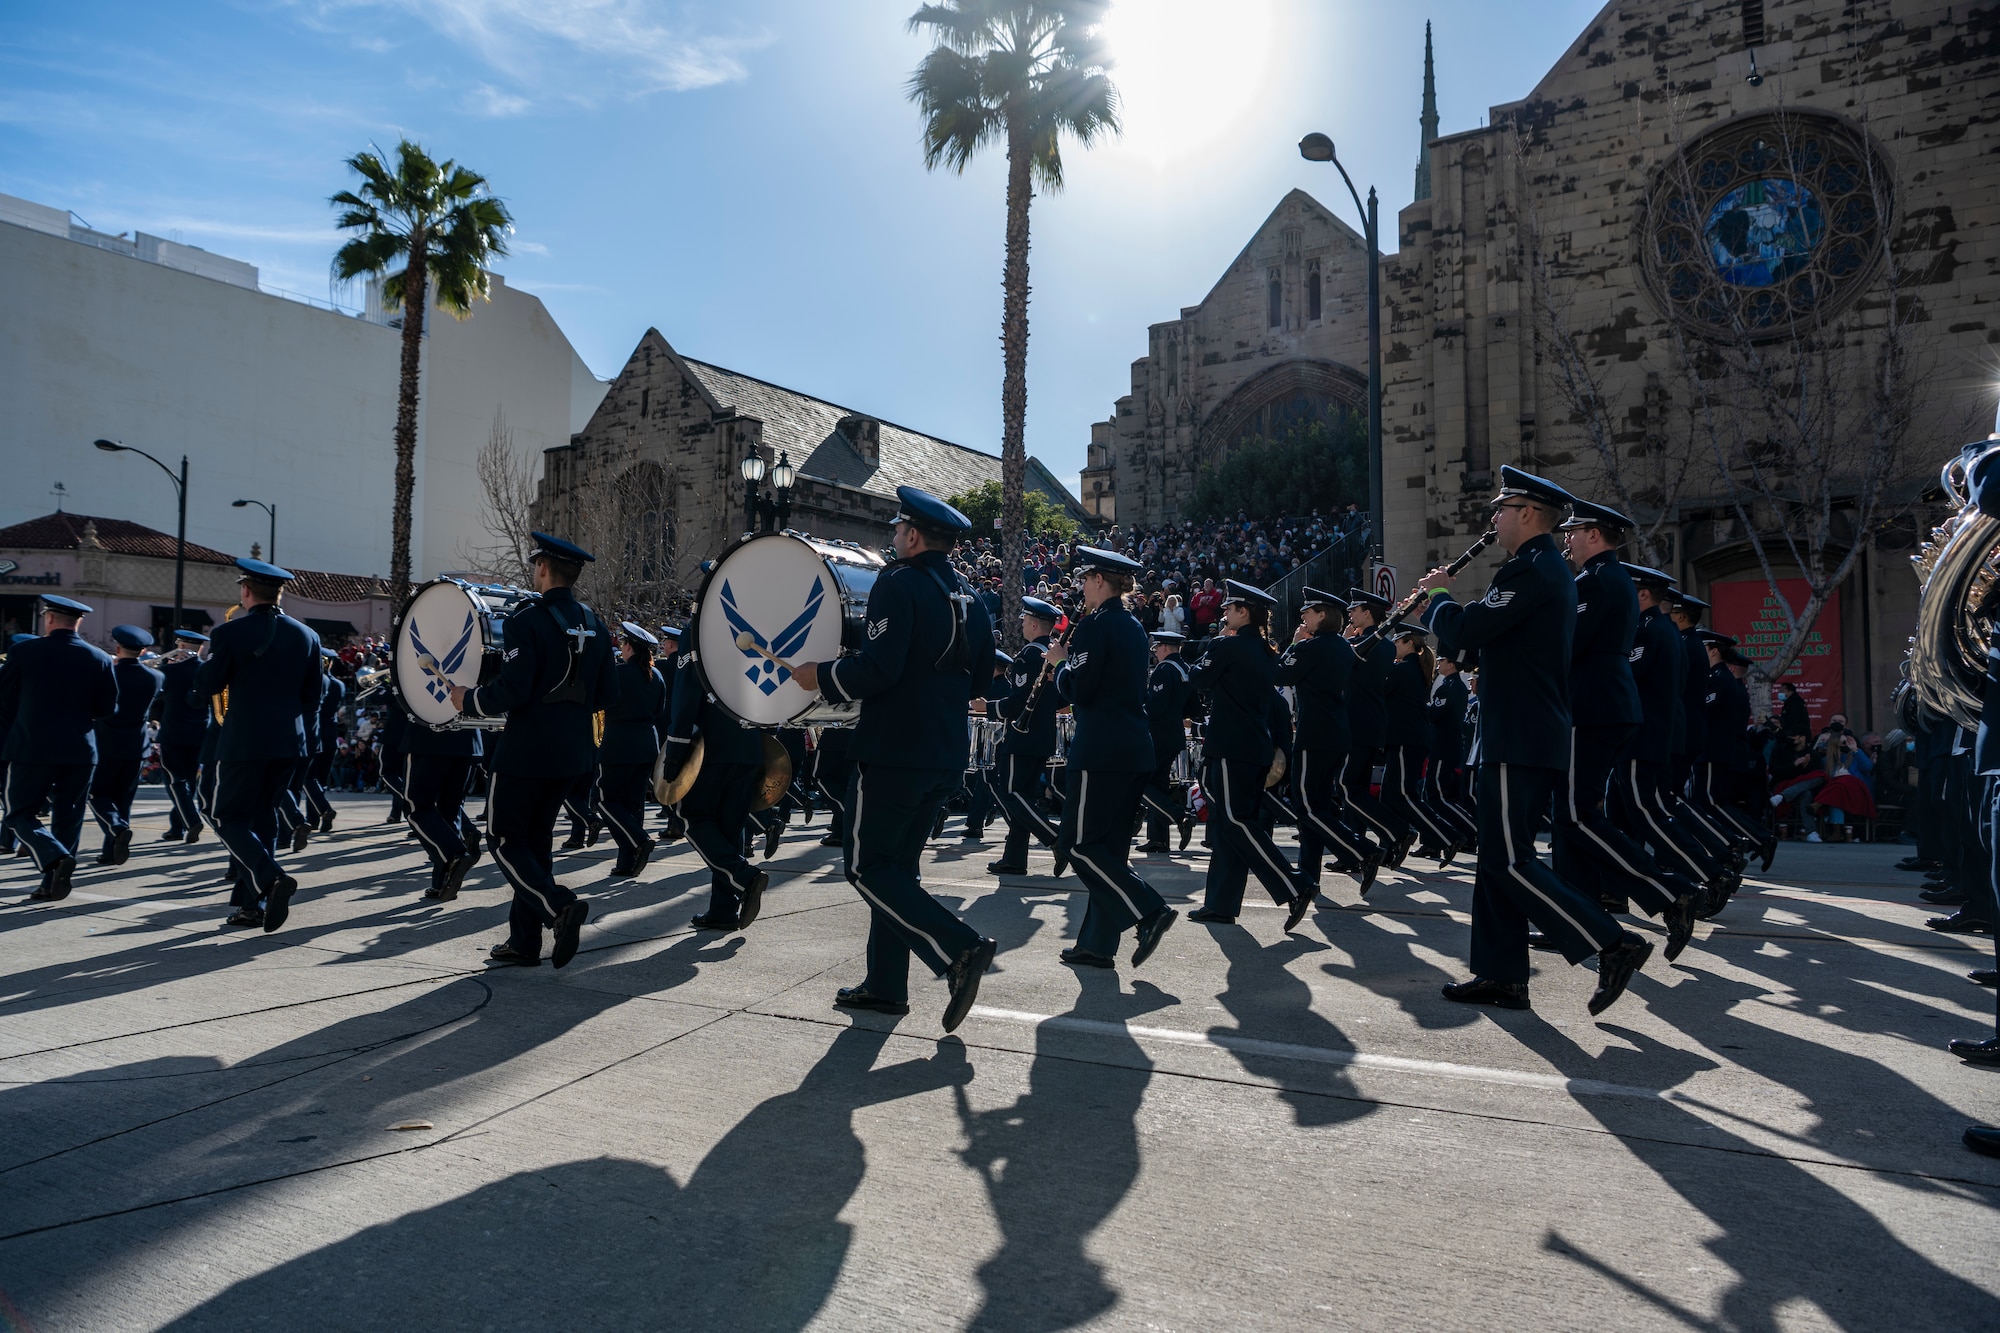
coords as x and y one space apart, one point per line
1002 657
1361 597
914 505
70 605
1719 640
330 654
1321 598
555 548
633 630
671 632
1168 636
1648 577
261 571
1242 594
1403 629
1096 558
1041 610
190 636
1585 514
1689 600
1528 486
130 636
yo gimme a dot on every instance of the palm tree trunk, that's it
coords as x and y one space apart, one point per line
415 302
1014 386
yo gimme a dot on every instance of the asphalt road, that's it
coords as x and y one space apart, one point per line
1253 1131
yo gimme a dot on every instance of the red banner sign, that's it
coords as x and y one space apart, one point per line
1747 610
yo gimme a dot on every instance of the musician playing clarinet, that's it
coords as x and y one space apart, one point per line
1101 672
1028 743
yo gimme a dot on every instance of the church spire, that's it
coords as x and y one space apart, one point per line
1429 121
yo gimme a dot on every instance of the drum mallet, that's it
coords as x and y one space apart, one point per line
748 643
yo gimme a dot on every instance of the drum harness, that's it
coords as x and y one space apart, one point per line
957 654
568 690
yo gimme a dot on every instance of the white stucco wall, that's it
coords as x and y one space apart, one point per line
269 398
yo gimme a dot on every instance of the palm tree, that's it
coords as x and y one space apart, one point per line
438 222
1022 72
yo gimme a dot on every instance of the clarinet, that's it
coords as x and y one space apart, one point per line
1402 608
1022 723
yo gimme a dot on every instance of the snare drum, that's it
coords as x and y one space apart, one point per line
1065 737
986 736
792 599
448 635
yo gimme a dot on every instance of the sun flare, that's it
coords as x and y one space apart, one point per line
1187 70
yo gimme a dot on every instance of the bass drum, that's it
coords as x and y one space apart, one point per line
772 600
448 635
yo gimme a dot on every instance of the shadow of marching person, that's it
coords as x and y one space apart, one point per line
1057 1162
1272 1004
753 1241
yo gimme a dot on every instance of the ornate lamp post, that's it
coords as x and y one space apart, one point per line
1318 147
767 513
180 532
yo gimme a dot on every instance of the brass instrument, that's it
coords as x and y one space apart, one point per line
1074 610
597 728
777 774
219 703
1958 568
670 790
1276 773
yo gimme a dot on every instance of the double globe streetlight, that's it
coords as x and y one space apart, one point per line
1318 147
180 532
774 510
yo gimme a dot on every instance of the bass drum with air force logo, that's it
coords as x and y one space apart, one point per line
448 635
772 600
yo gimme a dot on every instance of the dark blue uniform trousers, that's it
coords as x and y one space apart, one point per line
1589 850
1403 793
521 820
64 788
890 813
1097 829
1020 797
621 798
112 788
247 796
1511 887
182 762
1163 806
716 809
1239 844
1645 811
434 785
1321 825
318 769
1370 814
1989 835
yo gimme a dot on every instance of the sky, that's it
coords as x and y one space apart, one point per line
748 177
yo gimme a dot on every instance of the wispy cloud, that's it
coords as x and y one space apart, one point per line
520 247
630 47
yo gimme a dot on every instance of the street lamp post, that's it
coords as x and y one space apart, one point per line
767 513
180 531
270 551
1318 147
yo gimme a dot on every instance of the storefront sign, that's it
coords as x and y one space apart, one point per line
1747 610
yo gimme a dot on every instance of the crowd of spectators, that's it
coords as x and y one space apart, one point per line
1822 783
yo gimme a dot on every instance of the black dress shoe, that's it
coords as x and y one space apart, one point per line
55 881
1151 931
1679 921
771 836
1768 853
1983 1140
831 841
1451 853
1371 866
964 975
1187 831
1976 1052
1715 896
475 846
193 837
715 919
301 836
278 902
592 834
1537 940
860 997
173 835
1916 863
1944 895
1616 967
568 932
1958 923
1302 902
1152 848
1614 905
451 878
753 901
1085 958
1987 977
1062 861
573 843
120 848
508 956
1499 994
326 823
1210 918
245 916
1005 868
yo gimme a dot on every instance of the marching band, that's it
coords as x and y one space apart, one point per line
1577 694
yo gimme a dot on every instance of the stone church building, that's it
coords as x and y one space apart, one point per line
654 478
1689 184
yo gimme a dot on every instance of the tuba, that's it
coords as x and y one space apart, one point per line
1958 568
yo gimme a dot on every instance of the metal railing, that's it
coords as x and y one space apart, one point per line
1332 568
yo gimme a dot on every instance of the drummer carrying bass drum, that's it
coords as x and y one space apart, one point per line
928 650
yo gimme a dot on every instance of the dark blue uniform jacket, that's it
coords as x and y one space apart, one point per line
546 691
1657 672
123 734
632 725
1694 695
1601 692
913 715
1448 725
1367 721
1522 628
1036 736
183 708
1319 670
331 694
269 663
1728 720
1238 673
1104 682
1167 693
52 690
1408 701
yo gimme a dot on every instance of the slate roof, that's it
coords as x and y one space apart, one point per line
64 532
803 426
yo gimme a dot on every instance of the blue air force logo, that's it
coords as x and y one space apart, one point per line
437 683
763 672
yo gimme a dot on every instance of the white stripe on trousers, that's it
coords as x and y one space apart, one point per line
1653 820
1027 805
1514 868
1082 796
1721 808
507 867
860 778
1326 830
1576 819
436 851
1257 845
1415 800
